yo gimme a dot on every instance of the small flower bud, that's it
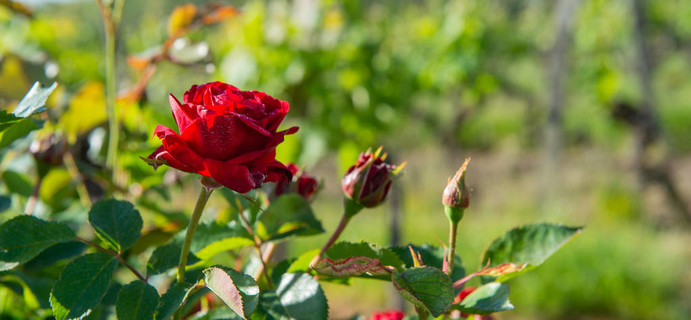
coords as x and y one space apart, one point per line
367 183
456 194
301 183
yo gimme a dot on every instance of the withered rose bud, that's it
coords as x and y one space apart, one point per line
49 149
367 183
456 196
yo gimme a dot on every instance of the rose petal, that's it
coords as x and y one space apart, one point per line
181 117
235 177
223 137
178 149
162 154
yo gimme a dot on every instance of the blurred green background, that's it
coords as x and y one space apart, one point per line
576 112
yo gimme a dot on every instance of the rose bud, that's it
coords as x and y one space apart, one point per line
456 196
302 183
367 183
226 134
49 150
388 315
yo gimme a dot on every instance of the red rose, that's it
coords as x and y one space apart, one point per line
388 315
367 183
302 183
226 134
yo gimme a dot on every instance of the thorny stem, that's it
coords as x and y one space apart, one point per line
337 233
114 254
194 221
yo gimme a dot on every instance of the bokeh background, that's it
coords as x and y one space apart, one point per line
573 111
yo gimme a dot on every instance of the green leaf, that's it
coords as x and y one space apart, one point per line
22 238
427 287
486 299
17 130
287 216
17 183
301 297
431 256
136 301
7 119
167 257
211 239
5 203
343 250
116 222
302 263
238 291
530 244
16 125
34 100
55 253
81 285
215 314
172 300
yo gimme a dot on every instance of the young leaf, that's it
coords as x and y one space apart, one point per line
530 244
239 291
81 285
301 297
302 263
172 300
486 299
116 222
286 216
136 301
212 239
166 257
34 100
426 287
17 183
7 120
17 130
22 238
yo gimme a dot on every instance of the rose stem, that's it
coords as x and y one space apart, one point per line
110 20
73 170
31 203
421 313
194 221
114 254
337 233
258 247
453 230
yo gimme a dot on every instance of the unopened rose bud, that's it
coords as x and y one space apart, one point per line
456 196
301 183
367 183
